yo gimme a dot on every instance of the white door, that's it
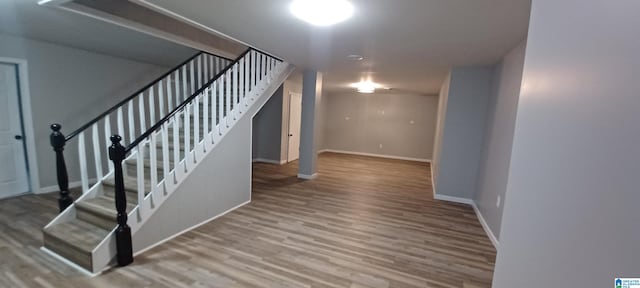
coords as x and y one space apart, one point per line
295 114
14 179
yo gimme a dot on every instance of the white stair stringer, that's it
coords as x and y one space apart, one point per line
105 252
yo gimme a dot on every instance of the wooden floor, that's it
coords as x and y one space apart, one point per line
365 222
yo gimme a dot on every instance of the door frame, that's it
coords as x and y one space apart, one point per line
289 122
24 96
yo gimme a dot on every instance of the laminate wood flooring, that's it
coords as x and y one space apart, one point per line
365 222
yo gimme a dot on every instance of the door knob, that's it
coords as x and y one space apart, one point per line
290 135
18 137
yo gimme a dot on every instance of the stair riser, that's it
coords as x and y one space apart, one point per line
95 219
64 249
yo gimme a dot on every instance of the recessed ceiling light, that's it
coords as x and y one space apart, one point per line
355 57
322 12
366 86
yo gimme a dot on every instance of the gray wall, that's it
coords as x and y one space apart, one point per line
571 213
71 86
267 129
358 122
462 136
493 171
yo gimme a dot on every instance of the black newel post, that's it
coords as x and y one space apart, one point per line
58 141
124 244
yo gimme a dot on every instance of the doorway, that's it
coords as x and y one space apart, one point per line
14 171
295 116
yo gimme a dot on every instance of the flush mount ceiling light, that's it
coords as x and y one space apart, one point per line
355 57
322 12
366 86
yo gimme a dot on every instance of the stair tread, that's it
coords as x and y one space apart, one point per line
105 206
79 234
130 184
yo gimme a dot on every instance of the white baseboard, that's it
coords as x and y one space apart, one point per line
483 222
270 161
376 155
453 199
190 228
308 177
485 226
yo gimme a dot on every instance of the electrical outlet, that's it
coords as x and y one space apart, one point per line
380 146
347 118
412 122
498 202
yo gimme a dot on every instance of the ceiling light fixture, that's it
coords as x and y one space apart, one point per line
355 57
366 86
322 12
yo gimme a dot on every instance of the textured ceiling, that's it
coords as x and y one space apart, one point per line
407 44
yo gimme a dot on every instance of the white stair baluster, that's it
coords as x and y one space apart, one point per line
196 121
220 83
228 95
165 156
192 79
214 110
160 100
176 142
205 113
107 136
140 175
120 122
185 89
241 86
82 155
235 87
187 136
152 108
153 160
132 127
176 83
169 94
97 153
143 117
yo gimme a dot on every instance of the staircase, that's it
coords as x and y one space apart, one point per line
129 171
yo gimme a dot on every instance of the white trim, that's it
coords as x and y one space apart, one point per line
308 177
177 16
190 228
322 151
69 263
453 199
270 161
27 120
485 226
376 155
433 181
123 22
468 201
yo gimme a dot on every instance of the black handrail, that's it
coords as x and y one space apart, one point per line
188 100
135 94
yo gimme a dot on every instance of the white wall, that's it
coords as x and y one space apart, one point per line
404 124
463 131
571 214
220 182
437 143
71 86
493 171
